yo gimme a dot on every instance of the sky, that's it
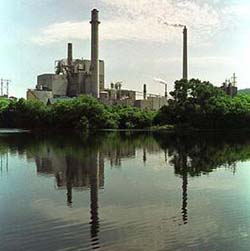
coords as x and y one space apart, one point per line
134 43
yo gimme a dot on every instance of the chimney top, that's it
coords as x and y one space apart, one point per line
94 16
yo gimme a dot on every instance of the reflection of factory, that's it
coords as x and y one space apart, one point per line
69 169
77 170
74 77
116 155
4 162
75 173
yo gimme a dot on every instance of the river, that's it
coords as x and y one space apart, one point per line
124 191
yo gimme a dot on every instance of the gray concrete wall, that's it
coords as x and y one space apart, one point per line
59 85
42 96
157 102
143 104
44 81
102 75
152 103
53 82
80 84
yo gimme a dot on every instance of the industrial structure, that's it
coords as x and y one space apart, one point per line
4 87
185 54
74 77
229 86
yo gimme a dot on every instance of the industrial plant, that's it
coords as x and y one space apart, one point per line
74 77
4 88
229 86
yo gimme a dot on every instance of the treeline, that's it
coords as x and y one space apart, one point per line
200 105
81 113
194 104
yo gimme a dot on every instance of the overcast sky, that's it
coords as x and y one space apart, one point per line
135 46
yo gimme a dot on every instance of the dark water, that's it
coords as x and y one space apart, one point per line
124 191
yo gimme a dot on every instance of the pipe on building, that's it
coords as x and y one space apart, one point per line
144 91
166 91
70 54
185 55
95 82
70 68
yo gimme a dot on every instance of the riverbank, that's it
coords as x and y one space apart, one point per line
194 106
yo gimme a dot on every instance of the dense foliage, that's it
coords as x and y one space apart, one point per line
194 104
201 105
244 91
84 112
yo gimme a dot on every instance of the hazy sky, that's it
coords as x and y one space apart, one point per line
135 46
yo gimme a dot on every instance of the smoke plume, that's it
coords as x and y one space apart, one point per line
160 21
161 81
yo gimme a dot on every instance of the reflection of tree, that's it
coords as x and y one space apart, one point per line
78 162
201 154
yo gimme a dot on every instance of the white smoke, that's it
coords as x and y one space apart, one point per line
136 20
161 81
161 21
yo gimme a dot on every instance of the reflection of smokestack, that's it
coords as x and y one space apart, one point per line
185 54
144 155
70 54
94 53
144 91
94 186
184 197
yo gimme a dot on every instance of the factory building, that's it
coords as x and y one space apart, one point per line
151 103
229 86
74 77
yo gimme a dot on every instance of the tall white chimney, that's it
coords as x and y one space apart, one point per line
185 55
95 82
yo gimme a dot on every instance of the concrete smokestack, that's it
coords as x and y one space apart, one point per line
166 91
95 82
70 54
185 55
144 92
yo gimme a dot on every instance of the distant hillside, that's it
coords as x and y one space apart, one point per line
244 91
